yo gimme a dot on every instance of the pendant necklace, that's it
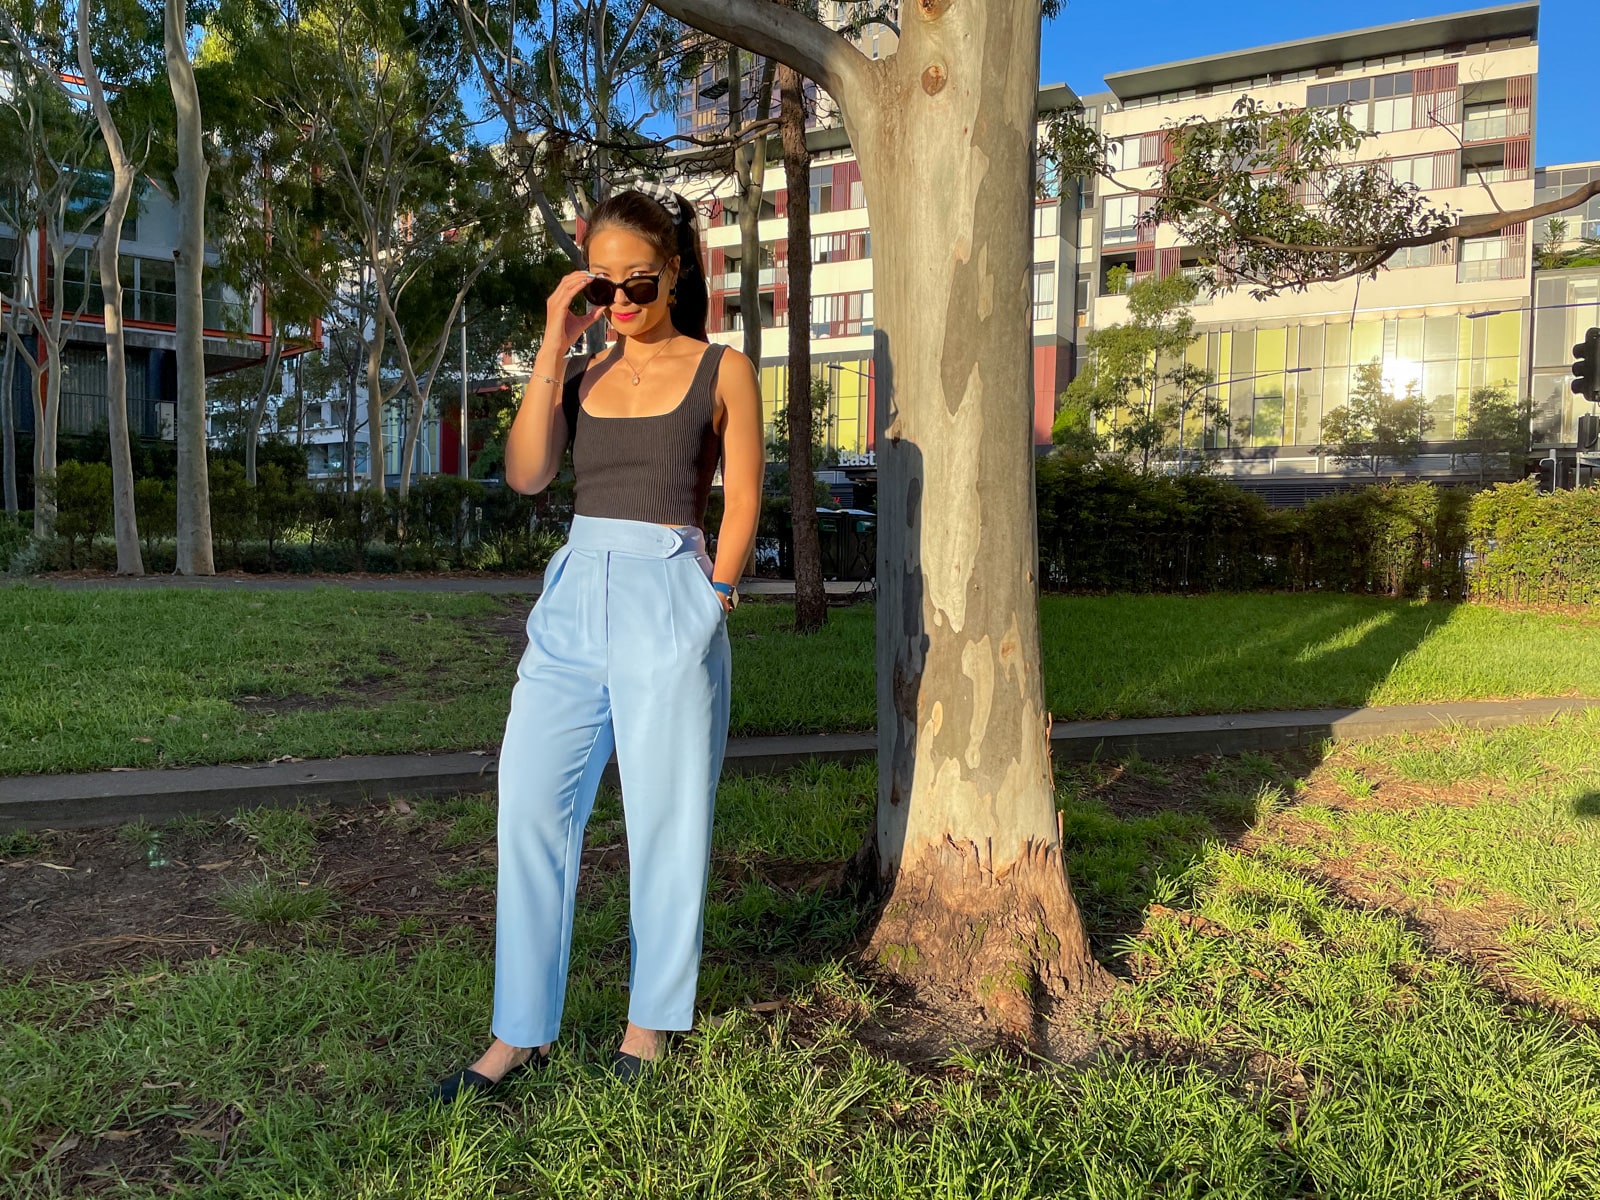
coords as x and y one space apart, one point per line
637 371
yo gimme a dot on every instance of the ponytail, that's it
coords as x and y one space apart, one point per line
693 302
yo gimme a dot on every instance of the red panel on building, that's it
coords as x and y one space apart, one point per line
1045 359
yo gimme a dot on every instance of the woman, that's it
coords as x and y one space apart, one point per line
627 645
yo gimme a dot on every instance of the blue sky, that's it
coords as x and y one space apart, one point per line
1093 37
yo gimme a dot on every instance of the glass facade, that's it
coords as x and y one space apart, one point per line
1277 383
1566 304
849 409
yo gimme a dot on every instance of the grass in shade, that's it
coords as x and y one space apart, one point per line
1367 973
96 679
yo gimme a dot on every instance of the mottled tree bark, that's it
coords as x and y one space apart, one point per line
966 850
194 492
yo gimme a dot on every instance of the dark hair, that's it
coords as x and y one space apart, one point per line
649 219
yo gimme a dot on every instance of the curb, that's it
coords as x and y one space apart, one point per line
157 796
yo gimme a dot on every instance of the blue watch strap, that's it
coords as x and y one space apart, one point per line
725 588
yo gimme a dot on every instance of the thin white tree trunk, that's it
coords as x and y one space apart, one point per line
375 455
8 423
130 558
194 496
258 409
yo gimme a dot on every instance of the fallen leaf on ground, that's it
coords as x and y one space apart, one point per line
56 866
119 1135
216 866
767 1006
146 741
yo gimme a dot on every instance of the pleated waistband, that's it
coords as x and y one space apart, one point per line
634 537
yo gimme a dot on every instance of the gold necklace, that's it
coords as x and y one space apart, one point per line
637 371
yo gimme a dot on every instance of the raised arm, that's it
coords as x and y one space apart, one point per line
539 433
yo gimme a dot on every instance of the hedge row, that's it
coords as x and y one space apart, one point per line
1536 549
1102 528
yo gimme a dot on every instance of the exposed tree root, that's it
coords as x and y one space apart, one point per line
1006 939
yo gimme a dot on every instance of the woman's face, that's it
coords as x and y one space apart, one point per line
617 255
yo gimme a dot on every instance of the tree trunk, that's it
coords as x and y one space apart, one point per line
810 597
8 422
194 496
750 163
258 410
375 455
46 410
130 559
967 848
967 835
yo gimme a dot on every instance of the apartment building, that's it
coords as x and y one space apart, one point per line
1450 103
235 332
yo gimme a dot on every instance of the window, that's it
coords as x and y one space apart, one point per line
82 275
1121 220
1044 292
1334 95
1495 257
836 187
1417 170
1046 220
1410 256
841 247
1484 122
149 289
8 266
845 314
1472 176
1390 115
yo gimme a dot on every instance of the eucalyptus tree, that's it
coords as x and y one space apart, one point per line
575 84
191 174
52 189
119 31
400 195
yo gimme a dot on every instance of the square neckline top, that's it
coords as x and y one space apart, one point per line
695 382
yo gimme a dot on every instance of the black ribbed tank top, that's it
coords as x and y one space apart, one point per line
653 468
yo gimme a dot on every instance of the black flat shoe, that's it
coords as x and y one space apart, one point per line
468 1080
628 1067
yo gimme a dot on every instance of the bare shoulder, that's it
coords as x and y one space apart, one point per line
735 368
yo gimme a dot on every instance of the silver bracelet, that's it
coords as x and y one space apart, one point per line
546 378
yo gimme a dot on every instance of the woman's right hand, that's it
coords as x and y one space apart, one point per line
562 326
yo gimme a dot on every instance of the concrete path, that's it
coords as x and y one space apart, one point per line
112 797
491 584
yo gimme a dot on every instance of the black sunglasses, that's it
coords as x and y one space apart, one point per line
641 289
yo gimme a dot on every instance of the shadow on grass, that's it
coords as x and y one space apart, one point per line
1587 805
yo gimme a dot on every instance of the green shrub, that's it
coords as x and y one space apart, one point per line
281 503
155 507
233 505
1536 549
16 530
81 493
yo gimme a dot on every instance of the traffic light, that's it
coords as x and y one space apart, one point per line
1586 367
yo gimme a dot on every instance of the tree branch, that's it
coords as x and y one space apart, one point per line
785 34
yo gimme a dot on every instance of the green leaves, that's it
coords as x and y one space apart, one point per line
1271 197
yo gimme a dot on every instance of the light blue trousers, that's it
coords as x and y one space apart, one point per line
627 650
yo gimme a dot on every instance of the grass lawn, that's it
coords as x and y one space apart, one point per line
96 679
1372 976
